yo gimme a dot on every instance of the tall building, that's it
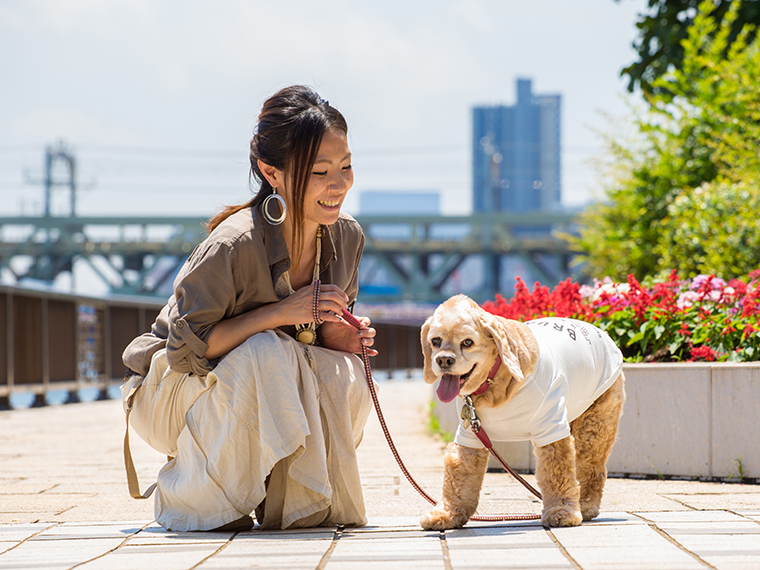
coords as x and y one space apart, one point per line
516 154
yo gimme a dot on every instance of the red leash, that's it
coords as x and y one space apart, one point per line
479 432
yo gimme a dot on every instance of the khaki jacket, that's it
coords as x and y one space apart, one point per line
231 272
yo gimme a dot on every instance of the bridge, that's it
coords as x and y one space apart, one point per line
406 258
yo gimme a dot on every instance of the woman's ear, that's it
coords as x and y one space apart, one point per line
274 176
427 353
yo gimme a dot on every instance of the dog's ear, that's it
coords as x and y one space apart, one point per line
427 353
516 344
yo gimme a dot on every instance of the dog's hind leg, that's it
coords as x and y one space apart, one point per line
555 475
464 469
595 431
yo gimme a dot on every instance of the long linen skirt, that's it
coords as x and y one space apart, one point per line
275 420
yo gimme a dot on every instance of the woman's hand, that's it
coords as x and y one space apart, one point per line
296 309
339 335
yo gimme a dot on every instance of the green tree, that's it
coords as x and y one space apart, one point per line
700 130
662 31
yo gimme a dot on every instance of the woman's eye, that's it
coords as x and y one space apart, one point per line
436 342
349 167
467 343
319 173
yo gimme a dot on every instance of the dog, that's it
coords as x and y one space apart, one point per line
559 383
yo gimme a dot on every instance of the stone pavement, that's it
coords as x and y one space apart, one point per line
64 504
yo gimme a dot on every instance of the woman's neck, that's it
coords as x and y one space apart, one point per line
302 262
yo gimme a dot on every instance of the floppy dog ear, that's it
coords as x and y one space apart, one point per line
427 353
515 343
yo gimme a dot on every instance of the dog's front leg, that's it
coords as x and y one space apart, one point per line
464 469
555 474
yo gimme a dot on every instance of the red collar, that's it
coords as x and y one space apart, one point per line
494 369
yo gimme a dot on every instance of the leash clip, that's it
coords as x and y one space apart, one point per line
469 415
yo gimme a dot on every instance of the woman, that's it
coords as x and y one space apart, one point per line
252 418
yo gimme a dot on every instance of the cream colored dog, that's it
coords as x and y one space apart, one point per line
559 384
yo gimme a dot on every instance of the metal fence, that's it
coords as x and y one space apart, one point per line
53 341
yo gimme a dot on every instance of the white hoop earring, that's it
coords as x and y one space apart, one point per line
265 208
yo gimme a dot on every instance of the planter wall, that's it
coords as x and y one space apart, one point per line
681 419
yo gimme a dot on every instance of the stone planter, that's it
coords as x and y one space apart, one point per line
697 420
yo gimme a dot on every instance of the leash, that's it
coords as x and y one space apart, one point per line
474 424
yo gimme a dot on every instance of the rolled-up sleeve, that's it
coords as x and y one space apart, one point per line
205 293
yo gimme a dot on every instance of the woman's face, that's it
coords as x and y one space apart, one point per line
330 180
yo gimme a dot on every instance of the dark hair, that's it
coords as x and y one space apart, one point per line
290 129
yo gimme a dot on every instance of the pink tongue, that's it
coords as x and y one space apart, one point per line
448 388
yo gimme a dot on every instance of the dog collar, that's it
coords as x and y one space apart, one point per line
494 369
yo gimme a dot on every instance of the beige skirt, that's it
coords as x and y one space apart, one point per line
273 407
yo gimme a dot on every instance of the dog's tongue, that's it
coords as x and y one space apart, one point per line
448 387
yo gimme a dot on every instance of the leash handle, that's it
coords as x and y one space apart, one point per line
351 320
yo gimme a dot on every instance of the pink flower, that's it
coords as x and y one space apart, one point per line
687 299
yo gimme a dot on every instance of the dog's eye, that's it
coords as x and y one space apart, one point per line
467 343
435 341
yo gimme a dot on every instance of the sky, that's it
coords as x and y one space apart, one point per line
157 99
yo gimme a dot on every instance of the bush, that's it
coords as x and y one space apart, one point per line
667 320
682 187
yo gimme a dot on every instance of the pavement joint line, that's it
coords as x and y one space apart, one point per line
217 551
750 519
20 542
680 546
333 544
445 550
562 549
117 547
665 496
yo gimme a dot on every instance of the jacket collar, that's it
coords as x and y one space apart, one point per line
277 249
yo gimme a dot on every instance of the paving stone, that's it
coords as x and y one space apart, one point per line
739 551
504 547
270 550
413 551
57 554
19 532
623 547
748 498
74 531
165 557
691 516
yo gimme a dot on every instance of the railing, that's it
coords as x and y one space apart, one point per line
52 341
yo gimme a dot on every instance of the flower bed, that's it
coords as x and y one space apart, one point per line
661 320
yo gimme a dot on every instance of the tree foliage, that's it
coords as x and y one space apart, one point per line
683 191
665 27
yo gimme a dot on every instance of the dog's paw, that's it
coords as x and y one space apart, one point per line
589 510
440 519
561 515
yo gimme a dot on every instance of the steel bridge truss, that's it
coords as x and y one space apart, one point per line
418 254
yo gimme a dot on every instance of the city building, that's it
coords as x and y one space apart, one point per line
516 154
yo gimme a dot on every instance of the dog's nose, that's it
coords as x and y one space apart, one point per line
445 361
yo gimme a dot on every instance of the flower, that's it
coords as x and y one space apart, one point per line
687 299
668 319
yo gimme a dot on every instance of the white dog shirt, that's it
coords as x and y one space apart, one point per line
577 363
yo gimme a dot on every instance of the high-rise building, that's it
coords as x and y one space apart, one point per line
516 154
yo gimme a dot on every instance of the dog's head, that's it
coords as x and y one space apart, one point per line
460 342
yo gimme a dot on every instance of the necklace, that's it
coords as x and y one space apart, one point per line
307 333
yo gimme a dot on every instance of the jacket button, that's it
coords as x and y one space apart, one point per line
180 324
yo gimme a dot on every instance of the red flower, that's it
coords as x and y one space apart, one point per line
703 352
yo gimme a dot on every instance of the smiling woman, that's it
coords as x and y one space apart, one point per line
249 378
